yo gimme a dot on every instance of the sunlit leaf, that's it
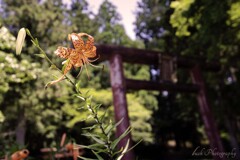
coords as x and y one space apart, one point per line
124 151
64 66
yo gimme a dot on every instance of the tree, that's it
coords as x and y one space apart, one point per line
170 117
200 28
110 29
211 30
24 93
81 18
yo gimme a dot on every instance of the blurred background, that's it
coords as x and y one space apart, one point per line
169 124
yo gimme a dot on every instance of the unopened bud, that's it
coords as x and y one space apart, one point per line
20 40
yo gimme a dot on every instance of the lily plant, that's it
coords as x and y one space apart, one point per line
83 53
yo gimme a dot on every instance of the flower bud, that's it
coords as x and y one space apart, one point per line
20 40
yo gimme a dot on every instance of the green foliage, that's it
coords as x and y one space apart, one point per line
103 143
195 28
80 18
153 27
45 20
7 40
139 115
234 15
19 76
15 72
140 105
2 117
178 19
110 29
108 20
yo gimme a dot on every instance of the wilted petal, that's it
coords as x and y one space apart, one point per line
20 40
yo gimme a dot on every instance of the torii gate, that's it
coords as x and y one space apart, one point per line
116 55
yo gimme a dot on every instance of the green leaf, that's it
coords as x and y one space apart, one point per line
117 152
108 129
134 146
53 66
77 85
65 64
89 117
98 148
97 107
124 151
40 55
111 127
89 100
80 97
28 32
95 146
34 43
101 118
91 127
116 141
95 138
99 135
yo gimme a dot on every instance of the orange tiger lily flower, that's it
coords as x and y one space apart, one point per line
80 55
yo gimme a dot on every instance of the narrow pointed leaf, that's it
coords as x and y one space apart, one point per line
116 141
117 152
97 106
134 146
34 43
40 55
95 146
114 126
98 156
95 138
77 85
64 66
101 118
124 151
80 97
91 127
126 147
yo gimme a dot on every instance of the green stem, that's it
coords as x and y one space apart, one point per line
108 143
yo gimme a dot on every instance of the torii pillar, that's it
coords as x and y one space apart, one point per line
206 114
120 102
